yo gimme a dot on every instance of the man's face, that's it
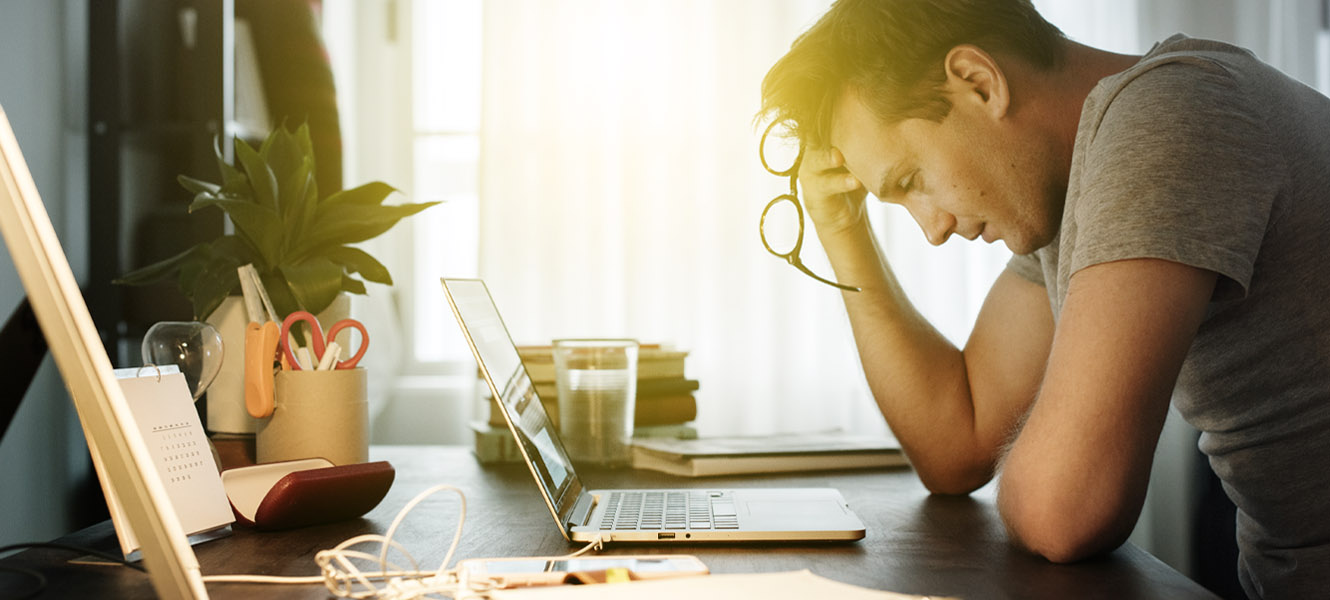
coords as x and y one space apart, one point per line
970 174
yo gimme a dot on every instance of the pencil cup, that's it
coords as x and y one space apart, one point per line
597 385
321 414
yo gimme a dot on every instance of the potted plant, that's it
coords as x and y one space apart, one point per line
298 242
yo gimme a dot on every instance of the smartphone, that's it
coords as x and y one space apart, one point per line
529 571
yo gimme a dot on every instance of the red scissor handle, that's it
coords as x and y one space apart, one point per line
316 334
337 327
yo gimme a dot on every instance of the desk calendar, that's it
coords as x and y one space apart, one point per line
165 416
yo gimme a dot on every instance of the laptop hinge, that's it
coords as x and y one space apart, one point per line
581 510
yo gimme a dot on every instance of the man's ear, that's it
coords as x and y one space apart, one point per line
973 74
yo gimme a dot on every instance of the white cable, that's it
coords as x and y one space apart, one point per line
401 516
341 576
595 544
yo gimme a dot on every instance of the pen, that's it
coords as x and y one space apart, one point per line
331 355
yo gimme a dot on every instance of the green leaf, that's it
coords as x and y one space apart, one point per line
197 187
351 223
355 260
293 195
239 250
283 154
261 178
233 181
213 285
353 285
371 194
193 270
303 140
161 270
279 293
314 283
260 224
309 207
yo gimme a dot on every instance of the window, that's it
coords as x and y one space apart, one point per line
408 76
446 79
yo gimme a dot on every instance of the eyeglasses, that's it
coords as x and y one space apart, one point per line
787 247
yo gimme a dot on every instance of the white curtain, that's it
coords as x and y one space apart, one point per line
620 196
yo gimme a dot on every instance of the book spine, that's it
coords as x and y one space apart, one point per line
496 444
653 362
648 410
673 432
549 390
664 410
541 372
743 465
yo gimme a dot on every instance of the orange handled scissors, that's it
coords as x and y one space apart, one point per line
321 338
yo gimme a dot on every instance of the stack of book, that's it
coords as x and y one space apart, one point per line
768 453
664 408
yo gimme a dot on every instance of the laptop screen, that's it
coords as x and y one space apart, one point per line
498 358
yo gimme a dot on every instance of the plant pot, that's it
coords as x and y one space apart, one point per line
226 396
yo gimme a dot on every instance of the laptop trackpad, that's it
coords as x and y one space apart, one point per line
793 508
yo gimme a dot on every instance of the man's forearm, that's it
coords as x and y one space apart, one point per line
918 378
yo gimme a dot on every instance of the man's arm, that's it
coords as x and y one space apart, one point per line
1075 478
952 410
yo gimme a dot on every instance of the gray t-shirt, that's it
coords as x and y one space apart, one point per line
1203 155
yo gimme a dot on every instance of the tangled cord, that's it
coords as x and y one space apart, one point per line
393 581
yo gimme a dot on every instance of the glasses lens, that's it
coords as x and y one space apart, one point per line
780 149
781 225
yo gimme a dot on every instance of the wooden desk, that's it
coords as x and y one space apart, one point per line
916 543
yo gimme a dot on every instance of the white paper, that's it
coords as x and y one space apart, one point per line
802 585
164 413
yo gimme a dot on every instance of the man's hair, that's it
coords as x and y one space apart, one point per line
891 53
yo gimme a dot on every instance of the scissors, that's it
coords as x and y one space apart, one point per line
320 338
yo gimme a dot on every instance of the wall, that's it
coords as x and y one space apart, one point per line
43 460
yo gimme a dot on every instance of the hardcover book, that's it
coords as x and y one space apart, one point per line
767 454
495 444
647 410
653 362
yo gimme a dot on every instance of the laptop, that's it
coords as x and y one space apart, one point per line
696 514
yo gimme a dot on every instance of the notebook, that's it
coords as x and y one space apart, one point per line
648 515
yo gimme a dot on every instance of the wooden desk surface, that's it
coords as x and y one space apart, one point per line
916 543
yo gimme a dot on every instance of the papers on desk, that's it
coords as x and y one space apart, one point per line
767 454
170 427
794 584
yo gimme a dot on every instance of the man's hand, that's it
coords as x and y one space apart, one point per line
833 198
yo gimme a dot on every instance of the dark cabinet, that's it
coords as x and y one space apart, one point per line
161 90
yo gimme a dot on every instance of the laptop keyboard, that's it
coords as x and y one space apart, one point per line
666 510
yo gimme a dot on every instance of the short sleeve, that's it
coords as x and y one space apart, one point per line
1179 167
1027 266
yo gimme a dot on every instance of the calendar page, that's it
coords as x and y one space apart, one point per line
166 418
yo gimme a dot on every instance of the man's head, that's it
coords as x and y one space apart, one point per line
915 95
891 51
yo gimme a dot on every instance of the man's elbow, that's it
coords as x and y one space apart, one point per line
956 478
1064 547
1063 531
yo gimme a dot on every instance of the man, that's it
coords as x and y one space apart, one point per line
1169 215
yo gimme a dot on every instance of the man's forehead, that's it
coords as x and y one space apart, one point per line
861 136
